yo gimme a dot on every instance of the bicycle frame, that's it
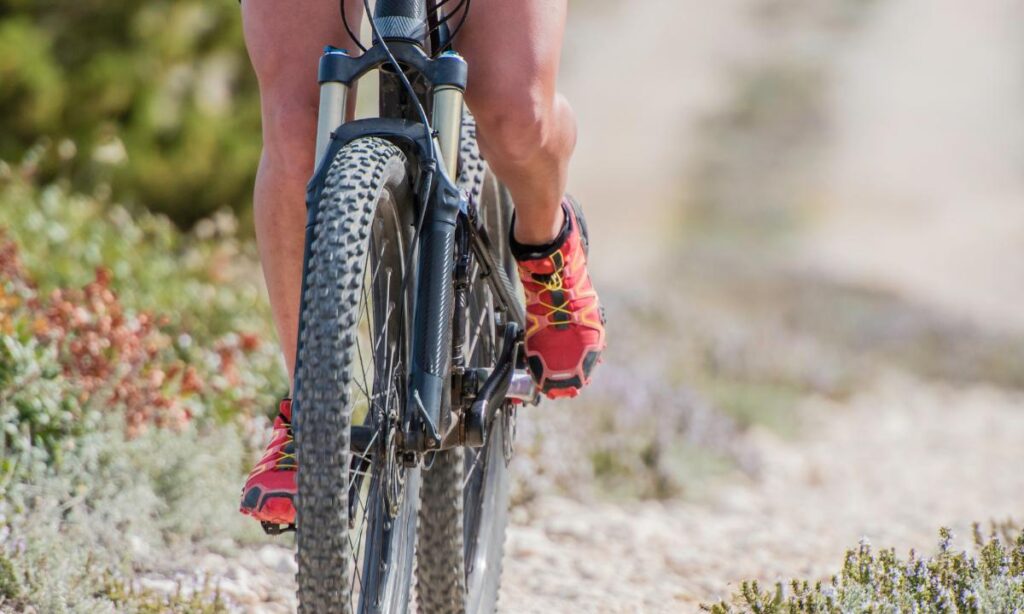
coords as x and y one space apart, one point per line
402 24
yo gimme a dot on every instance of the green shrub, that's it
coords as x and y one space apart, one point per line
10 588
83 293
76 537
125 433
36 413
206 282
157 97
951 581
80 349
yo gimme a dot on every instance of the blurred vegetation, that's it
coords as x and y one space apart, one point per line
154 101
992 580
135 373
105 311
205 281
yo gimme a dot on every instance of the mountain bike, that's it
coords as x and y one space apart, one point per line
410 365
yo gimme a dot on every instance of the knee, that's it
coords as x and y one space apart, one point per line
288 98
514 125
289 132
289 140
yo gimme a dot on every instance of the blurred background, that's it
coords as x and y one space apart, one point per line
808 230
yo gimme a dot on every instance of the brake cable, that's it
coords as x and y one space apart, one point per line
352 35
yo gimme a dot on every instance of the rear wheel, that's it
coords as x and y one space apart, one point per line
464 497
356 504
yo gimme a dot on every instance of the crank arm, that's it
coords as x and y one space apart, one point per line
492 393
521 387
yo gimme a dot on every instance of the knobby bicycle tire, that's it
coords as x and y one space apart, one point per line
356 513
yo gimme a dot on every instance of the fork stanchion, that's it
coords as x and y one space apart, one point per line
447 110
333 103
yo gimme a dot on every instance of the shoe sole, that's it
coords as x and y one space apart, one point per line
277 507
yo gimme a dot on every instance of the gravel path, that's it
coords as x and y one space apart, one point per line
893 465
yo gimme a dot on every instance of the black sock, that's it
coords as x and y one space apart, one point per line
521 251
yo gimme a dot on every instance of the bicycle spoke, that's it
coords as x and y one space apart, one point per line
357 551
478 453
380 364
482 338
387 315
363 309
476 334
361 382
376 330
484 314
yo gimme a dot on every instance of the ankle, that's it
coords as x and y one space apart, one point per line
537 230
531 249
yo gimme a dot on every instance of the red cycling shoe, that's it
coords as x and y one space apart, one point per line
564 323
269 492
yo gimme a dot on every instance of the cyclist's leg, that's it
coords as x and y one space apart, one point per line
526 130
285 40
527 133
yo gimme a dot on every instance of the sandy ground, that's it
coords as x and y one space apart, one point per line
897 463
923 196
892 465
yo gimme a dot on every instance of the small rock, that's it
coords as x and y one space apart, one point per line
240 573
526 543
281 560
140 547
568 527
238 592
213 564
159 585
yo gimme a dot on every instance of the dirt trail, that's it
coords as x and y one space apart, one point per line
899 461
893 464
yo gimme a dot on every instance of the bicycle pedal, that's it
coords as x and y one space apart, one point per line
273 528
522 388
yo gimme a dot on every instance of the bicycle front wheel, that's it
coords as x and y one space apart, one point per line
357 503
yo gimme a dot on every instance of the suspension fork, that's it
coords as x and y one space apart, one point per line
430 396
441 203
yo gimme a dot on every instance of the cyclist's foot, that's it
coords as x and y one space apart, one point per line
564 322
269 492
